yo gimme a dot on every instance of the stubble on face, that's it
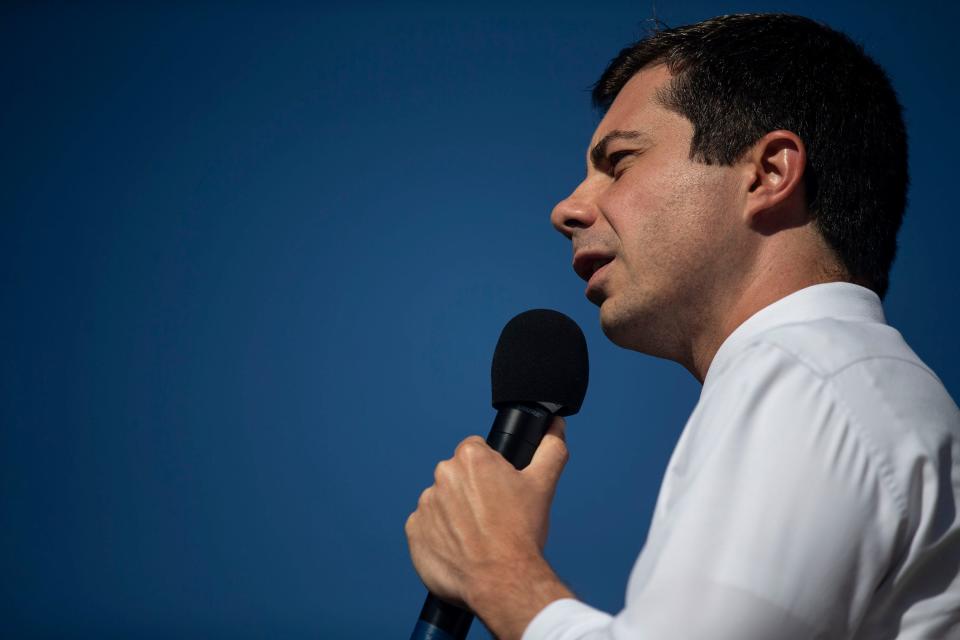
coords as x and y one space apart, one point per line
673 221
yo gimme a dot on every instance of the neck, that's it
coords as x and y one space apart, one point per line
776 274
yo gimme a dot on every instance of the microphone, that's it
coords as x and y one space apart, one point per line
540 370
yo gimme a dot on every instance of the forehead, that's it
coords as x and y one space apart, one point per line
635 107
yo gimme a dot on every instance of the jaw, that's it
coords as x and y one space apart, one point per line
644 326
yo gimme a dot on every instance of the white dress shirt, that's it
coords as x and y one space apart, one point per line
813 493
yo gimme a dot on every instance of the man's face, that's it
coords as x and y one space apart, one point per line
654 232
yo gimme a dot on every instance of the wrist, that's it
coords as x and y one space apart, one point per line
507 598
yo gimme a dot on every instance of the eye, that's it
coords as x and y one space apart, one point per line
614 159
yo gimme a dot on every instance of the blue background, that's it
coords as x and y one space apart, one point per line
254 263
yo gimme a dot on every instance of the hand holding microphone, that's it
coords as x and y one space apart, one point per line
477 494
478 532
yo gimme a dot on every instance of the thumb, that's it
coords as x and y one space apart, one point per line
551 456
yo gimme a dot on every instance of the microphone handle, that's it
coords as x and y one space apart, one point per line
516 433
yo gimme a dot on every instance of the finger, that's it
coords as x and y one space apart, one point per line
551 456
558 428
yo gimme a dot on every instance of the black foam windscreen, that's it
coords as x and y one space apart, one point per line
541 357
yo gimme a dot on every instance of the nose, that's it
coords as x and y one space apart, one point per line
576 211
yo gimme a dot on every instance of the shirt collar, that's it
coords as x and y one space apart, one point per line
840 300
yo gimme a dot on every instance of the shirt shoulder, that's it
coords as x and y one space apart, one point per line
770 481
894 402
829 345
907 425
870 369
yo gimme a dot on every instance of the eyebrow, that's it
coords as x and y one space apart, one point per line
599 152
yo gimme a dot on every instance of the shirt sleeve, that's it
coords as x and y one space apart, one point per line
777 518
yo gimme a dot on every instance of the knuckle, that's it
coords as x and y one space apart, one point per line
472 449
424 499
441 471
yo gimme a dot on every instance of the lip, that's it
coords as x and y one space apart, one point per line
585 261
596 274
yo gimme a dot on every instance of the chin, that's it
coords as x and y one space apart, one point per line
616 324
629 328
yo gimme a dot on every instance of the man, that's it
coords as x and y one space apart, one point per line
739 216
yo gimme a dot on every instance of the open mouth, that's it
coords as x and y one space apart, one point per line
587 265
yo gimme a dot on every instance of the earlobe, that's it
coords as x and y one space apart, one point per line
777 162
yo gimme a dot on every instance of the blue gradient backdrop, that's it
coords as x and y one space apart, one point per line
255 260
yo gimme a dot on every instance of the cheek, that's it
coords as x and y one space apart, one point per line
702 200
668 211
634 203
657 213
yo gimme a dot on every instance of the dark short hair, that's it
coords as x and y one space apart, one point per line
738 77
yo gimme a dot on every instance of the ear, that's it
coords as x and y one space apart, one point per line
775 166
